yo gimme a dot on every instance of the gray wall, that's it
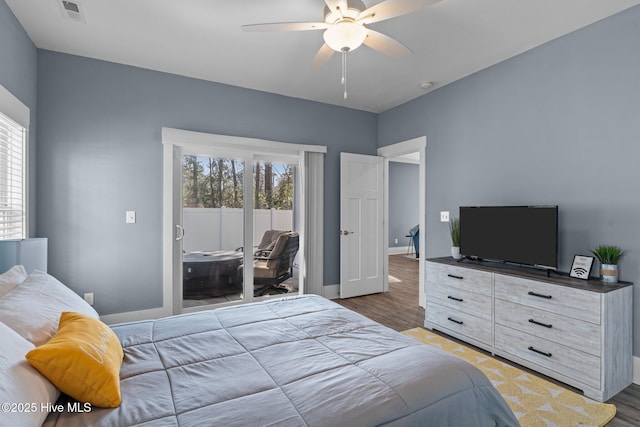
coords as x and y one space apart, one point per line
403 201
101 154
18 74
556 125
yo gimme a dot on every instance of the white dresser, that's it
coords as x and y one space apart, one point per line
460 303
578 332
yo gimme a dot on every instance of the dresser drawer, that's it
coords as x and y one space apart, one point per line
460 322
570 332
463 278
571 302
460 299
575 364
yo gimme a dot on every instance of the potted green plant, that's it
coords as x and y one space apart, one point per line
454 228
608 256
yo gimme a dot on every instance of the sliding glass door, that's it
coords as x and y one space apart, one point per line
213 225
276 236
242 219
232 216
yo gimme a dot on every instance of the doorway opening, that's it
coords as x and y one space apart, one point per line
404 226
411 153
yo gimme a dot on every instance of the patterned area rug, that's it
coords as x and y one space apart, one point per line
534 401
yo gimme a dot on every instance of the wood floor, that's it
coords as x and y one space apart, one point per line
398 309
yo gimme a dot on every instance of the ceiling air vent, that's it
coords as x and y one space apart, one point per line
72 10
71 6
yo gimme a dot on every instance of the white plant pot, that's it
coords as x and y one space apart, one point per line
455 252
609 273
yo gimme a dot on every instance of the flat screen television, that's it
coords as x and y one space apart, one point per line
525 235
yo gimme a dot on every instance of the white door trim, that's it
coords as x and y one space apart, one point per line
193 139
410 146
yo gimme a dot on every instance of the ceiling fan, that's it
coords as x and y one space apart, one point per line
345 28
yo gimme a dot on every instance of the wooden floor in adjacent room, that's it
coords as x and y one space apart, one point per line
398 309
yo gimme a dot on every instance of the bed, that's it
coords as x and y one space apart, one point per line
295 361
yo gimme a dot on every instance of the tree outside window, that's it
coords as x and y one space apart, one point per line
215 182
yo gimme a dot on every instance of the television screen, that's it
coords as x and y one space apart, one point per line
518 234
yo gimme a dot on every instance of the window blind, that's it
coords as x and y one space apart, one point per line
12 179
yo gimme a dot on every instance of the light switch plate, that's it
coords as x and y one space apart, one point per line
131 217
444 216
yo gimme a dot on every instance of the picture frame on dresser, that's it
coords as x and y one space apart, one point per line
581 267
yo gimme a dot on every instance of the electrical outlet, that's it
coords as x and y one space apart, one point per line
395 242
88 297
444 216
130 217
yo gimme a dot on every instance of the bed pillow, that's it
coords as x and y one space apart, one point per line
11 278
33 308
21 384
83 360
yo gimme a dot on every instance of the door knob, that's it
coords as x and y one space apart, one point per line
346 232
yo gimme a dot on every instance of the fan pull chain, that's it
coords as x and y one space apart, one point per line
344 60
344 71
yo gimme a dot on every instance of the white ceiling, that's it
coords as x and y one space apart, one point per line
202 39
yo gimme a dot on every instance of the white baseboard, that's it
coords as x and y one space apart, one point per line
397 250
331 291
636 370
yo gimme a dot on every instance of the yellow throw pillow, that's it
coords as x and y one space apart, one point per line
83 360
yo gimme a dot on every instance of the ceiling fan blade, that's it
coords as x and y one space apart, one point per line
286 26
324 54
391 8
385 44
334 5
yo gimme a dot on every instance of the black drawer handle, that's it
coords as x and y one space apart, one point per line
459 322
455 277
540 295
454 298
535 322
535 350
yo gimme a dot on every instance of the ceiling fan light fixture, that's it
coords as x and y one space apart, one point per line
345 36
345 30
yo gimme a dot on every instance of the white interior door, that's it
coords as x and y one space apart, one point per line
361 225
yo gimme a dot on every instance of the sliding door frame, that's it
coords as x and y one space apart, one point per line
177 141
